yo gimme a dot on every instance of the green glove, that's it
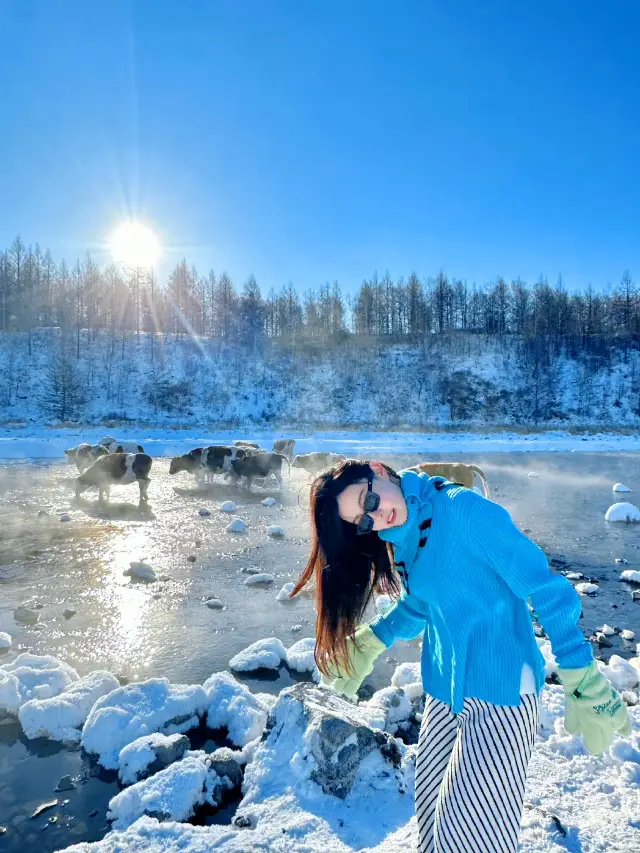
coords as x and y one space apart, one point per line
361 659
593 708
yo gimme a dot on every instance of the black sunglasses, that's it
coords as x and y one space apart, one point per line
371 504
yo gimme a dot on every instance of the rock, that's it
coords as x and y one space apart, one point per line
68 613
263 579
43 807
243 822
269 502
65 517
607 630
335 736
225 766
629 697
204 512
275 532
149 754
3 829
621 561
295 628
191 558
635 595
602 641
586 588
65 784
94 813
42 513
630 576
237 526
140 570
574 576
229 506
251 570
622 512
626 634
214 604
198 543
25 616
620 487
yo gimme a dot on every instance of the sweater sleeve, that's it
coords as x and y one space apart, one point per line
400 622
524 568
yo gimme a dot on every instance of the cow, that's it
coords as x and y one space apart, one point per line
84 455
284 446
203 462
317 461
457 472
247 444
260 465
116 469
114 446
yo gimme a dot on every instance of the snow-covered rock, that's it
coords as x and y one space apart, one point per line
232 706
275 532
237 526
261 579
574 576
300 655
295 628
387 707
586 588
5 640
624 512
263 654
140 570
172 794
149 754
550 663
61 717
620 487
229 506
620 673
406 673
139 709
33 677
607 630
284 593
268 502
630 575
626 634
214 604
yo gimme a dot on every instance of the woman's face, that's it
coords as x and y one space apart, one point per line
391 512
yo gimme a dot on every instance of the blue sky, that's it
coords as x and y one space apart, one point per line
312 141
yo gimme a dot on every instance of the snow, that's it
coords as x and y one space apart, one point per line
607 630
622 512
620 673
237 526
275 532
141 570
630 575
586 588
5 640
626 634
172 793
574 576
383 602
283 595
231 705
261 579
61 717
135 757
620 487
263 654
139 709
33 677
268 502
532 475
387 707
229 506
300 655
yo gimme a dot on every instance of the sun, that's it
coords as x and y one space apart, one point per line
135 245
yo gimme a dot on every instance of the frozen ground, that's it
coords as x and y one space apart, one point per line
138 630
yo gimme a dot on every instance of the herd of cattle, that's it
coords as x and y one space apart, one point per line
112 462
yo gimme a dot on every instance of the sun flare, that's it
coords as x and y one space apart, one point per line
135 245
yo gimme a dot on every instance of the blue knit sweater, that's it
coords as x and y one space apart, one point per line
467 574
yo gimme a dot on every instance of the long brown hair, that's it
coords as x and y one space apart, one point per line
346 568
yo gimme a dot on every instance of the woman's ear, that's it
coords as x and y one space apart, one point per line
379 470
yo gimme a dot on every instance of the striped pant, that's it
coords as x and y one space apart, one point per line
470 775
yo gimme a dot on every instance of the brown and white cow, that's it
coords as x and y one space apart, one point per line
204 462
457 472
284 446
114 446
260 465
116 469
84 455
316 461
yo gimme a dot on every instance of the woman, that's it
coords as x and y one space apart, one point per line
462 573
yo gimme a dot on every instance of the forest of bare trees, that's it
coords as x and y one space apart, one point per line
82 300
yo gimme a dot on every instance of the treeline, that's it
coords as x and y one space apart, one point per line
38 292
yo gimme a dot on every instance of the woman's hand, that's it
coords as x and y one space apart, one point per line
361 656
593 708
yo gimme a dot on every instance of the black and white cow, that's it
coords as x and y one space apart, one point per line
116 469
316 461
114 446
84 455
260 465
204 462
284 446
